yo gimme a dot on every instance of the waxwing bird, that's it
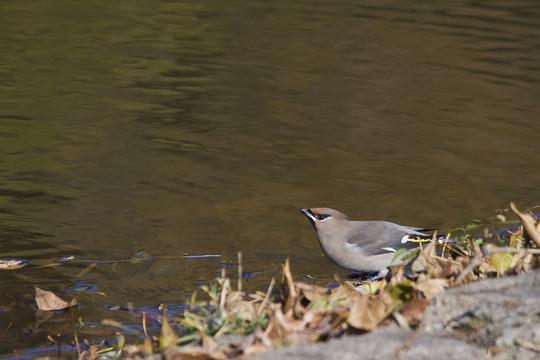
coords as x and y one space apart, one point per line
362 245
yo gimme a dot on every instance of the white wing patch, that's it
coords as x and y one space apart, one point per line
389 249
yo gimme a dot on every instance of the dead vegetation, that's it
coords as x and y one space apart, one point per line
292 312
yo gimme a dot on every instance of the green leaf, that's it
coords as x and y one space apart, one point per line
478 242
398 254
400 292
473 224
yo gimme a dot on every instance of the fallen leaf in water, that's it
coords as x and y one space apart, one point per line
47 300
168 338
11 264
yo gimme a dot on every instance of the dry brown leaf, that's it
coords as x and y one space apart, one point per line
262 336
467 275
209 344
90 353
298 311
386 298
305 336
528 223
526 263
427 261
369 288
293 295
248 341
366 312
322 322
452 269
313 319
398 273
168 338
209 350
199 353
47 300
285 325
311 292
292 331
178 356
431 287
413 310
338 316
256 349
242 309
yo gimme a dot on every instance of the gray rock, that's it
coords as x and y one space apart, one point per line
383 343
496 318
500 314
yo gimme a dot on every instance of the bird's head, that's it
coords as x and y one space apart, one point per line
324 219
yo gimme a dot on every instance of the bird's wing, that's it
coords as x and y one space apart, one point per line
380 237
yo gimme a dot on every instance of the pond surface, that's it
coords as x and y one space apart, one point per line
159 129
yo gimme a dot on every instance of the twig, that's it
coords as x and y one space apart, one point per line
488 250
289 277
240 271
457 250
85 270
402 322
224 284
290 284
77 343
527 344
224 291
474 263
144 323
444 245
267 296
188 257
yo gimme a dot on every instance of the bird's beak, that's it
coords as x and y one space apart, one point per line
310 216
306 212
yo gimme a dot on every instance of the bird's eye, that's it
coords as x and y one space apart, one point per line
321 216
